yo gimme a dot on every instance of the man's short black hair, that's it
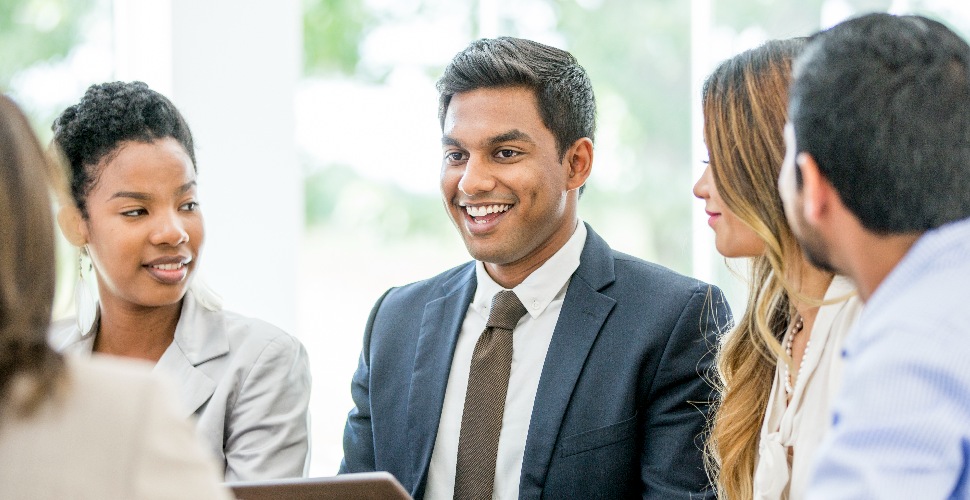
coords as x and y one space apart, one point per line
882 103
563 91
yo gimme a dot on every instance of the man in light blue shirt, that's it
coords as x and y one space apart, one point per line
876 185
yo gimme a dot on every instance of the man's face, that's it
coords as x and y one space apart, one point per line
810 239
502 179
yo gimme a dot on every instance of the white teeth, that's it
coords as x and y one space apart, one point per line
481 211
169 267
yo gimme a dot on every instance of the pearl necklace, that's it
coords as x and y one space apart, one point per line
795 329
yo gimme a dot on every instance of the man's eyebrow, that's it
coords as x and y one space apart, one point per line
511 135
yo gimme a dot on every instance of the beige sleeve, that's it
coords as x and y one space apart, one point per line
171 463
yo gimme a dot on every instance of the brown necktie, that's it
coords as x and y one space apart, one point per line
488 382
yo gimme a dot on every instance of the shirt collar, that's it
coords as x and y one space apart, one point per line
545 284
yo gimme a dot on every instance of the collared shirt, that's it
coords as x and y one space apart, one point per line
901 423
542 294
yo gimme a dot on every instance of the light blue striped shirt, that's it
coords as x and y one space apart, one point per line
901 423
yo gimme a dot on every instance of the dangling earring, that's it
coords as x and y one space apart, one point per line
84 302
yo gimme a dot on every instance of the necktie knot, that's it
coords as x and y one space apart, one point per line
506 310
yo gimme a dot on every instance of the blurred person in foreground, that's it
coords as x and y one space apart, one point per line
779 369
136 217
600 391
72 428
876 186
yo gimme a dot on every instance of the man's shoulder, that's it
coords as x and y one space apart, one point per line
636 272
626 274
434 286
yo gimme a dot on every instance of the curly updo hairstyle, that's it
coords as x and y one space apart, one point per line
110 114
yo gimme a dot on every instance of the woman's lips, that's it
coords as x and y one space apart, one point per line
712 218
169 270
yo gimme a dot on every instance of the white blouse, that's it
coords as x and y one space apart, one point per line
802 423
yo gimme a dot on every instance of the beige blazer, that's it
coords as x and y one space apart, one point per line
246 382
112 432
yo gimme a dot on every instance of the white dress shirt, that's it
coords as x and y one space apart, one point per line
542 294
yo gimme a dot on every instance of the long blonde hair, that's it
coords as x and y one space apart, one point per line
27 274
745 104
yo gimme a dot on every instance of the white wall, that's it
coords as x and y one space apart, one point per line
232 68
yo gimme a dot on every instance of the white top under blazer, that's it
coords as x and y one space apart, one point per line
802 423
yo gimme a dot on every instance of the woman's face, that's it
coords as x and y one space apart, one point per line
144 228
732 238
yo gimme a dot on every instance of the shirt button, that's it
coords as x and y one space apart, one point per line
535 304
845 353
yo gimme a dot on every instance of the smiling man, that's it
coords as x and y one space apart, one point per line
551 365
876 185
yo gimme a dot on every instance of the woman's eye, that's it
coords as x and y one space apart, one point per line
134 213
190 206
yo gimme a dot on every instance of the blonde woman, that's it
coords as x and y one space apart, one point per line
780 367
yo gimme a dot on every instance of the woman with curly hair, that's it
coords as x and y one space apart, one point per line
780 367
136 215
72 428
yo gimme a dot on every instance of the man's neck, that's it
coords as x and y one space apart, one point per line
874 256
512 274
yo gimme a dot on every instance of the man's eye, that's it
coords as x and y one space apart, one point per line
455 156
508 153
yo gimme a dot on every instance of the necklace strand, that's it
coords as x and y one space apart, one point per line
796 327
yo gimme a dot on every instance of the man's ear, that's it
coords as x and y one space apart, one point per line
817 192
73 225
579 161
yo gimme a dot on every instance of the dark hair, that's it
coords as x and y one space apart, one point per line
562 88
108 115
26 262
882 103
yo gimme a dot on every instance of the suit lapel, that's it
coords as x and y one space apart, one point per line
199 337
584 311
440 327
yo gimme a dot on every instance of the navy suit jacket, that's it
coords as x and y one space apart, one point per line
622 401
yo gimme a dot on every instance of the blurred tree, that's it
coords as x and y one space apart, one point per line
638 57
338 195
332 33
37 31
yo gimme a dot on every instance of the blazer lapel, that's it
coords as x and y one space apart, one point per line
199 337
584 311
440 327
